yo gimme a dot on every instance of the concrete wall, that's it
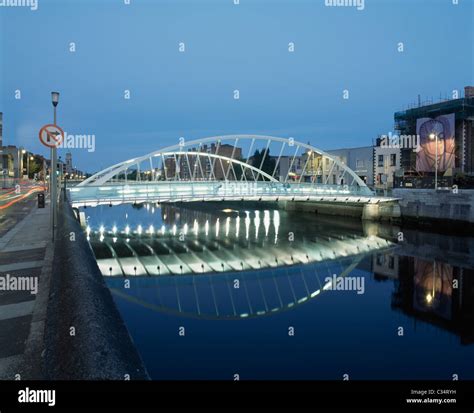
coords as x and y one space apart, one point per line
386 211
101 348
427 204
345 210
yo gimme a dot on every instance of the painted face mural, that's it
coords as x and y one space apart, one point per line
437 143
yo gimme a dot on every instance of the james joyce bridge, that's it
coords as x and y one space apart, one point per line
227 168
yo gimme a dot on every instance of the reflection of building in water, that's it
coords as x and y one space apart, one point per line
425 291
174 214
433 283
385 266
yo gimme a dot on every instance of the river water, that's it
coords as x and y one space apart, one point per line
212 291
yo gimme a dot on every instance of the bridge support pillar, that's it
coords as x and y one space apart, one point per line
384 211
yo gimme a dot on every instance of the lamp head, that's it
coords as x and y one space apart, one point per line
55 98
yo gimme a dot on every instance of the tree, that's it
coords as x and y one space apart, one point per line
34 167
268 165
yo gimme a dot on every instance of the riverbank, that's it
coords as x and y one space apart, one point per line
380 210
445 210
85 337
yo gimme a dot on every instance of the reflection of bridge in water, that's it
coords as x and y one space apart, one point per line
423 268
232 264
234 295
238 243
216 169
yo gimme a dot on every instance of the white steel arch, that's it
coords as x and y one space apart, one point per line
114 170
102 179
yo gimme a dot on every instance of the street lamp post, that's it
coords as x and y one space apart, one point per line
434 136
31 158
20 153
23 152
28 159
53 177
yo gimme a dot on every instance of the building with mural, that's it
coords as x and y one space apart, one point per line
445 134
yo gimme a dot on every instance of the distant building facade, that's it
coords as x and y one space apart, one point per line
387 161
69 168
360 160
313 167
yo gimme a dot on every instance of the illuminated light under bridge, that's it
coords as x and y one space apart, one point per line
250 246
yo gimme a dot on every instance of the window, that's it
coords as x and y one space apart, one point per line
393 159
380 163
359 163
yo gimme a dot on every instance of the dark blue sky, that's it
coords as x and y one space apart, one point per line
228 47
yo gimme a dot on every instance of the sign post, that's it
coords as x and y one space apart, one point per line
52 136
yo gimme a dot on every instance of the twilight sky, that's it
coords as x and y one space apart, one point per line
135 47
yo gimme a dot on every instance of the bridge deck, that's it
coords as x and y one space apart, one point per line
183 191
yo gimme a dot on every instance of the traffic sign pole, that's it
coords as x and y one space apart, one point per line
54 183
51 136
53 190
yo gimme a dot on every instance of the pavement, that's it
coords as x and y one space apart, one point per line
25 257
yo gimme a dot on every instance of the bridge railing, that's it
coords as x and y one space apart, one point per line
163 191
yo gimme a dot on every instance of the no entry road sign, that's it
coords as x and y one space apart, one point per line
51 136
